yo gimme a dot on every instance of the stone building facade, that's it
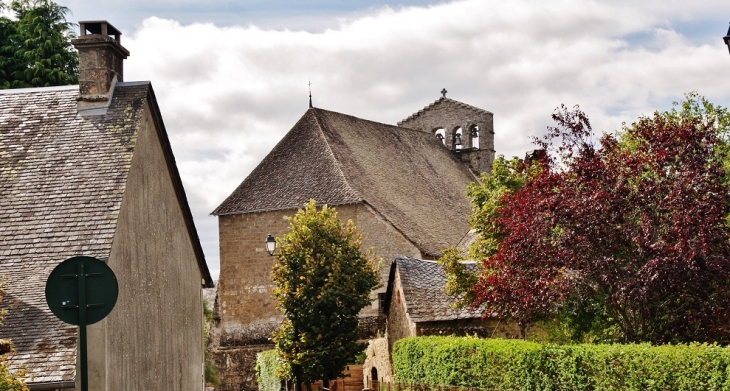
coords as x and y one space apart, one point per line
416 304
402 187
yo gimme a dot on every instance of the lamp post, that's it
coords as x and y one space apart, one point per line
270 243
727 39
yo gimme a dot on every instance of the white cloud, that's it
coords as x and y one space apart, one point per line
228 94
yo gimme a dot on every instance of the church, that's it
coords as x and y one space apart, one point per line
402 186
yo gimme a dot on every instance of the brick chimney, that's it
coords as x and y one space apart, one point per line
101 62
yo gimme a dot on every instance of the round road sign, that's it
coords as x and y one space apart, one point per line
81 290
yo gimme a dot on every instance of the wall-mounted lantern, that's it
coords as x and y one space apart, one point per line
270 244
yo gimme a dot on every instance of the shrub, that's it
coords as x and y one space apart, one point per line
497 364
266 364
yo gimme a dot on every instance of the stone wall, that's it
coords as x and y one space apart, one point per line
378 357
489 328
236 366
247 309
399 323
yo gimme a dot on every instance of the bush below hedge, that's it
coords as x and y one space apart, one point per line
496 364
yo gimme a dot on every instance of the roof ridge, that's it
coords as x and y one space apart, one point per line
439 100
423 110
338 164
38 89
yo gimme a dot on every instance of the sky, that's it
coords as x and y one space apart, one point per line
231 77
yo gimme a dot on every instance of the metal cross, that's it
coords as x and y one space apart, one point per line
310 92
443 92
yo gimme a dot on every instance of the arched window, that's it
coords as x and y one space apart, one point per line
474 134
441 135
458 141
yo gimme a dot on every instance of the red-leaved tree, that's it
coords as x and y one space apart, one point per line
629 234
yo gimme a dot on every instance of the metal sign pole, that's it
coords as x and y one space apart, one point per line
70 286
82 326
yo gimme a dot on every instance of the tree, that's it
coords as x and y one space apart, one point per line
36 48
9 381
627 239
322 281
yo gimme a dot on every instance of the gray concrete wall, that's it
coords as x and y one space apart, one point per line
153 339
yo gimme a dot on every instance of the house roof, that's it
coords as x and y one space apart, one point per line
405 175
423 284
443 101
62 179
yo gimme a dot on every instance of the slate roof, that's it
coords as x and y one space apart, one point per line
62 179
407 176
444 101
423 283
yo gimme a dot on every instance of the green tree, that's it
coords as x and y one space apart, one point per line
35 47
322 281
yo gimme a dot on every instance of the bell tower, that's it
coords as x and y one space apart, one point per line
467 131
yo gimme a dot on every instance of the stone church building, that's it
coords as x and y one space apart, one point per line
403 187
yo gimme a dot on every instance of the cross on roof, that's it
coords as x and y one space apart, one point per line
443 92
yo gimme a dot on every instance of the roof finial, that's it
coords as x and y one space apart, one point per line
310 93
443 93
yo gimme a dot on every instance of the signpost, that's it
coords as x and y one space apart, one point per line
82 291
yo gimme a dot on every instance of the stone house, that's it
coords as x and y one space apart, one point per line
403 187
416 304
88 170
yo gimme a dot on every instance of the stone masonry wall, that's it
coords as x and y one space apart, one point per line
247 309
489 328
378 357
399 323
236 367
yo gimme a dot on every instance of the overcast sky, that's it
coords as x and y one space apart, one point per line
231 76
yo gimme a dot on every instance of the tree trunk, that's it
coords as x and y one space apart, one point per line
523 330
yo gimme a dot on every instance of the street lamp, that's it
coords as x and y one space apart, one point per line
727 39
270 244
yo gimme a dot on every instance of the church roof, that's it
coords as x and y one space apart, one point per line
423 284
405 175
62 180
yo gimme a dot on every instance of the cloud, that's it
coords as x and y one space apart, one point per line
228 94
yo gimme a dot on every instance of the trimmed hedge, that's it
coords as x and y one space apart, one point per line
497 364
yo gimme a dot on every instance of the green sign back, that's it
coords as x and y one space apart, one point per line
98 283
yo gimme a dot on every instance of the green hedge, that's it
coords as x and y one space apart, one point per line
266 364
496 364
